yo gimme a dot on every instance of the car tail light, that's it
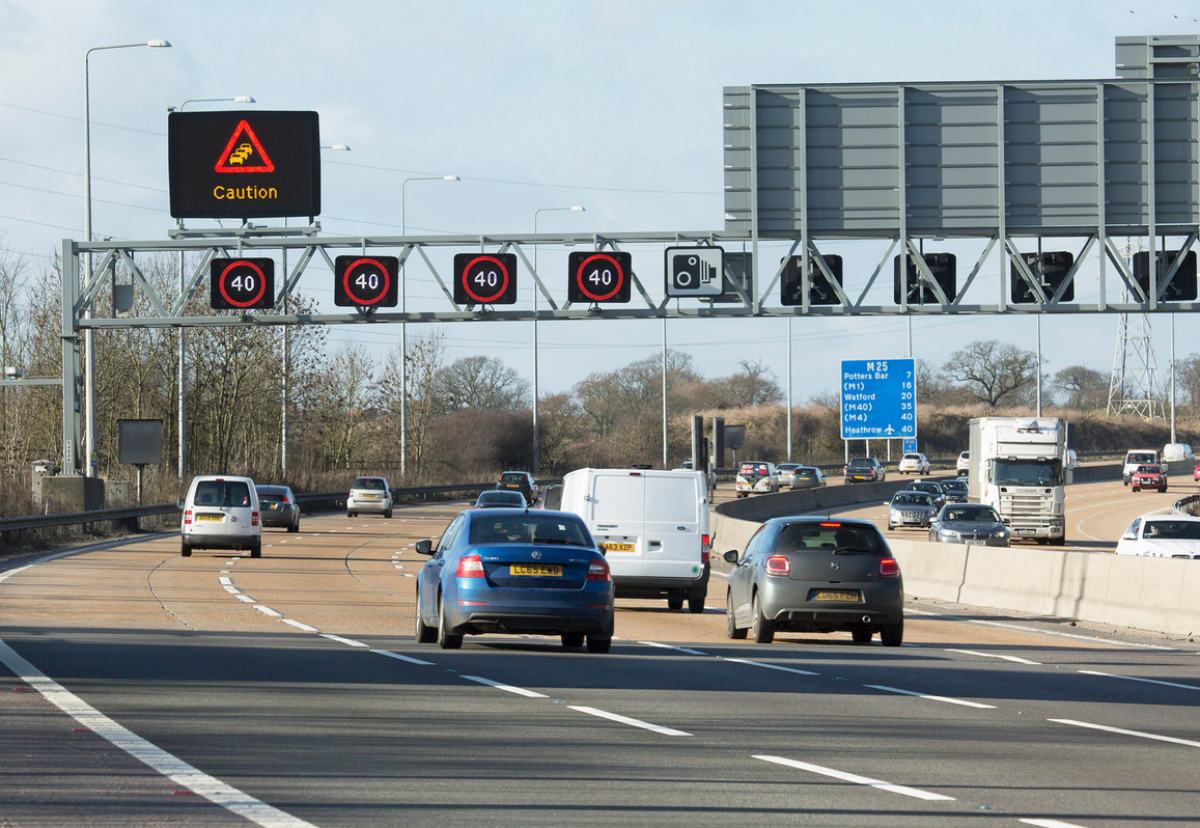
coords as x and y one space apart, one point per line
705 548
778 565
598 570
470 566
254 518
888 568
187 516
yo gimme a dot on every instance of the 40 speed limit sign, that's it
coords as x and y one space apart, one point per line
365 281
239 284
485 278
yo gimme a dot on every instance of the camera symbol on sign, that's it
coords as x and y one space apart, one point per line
691 272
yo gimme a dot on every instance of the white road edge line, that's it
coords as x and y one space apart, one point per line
1134 678
860 780
268 611
341 640
672 647
603 714
1124 732
399 657
946 699
772 666
157 759
520 691
996 655
1049 823
299 626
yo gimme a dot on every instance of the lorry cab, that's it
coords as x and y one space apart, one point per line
652 526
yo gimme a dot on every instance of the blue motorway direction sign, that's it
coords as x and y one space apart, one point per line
879 399
910 446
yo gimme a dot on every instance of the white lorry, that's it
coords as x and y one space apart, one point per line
653 527
1018 468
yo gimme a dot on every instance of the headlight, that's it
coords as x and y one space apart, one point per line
950 533
1002 534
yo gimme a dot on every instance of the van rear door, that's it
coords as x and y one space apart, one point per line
673 525
616 517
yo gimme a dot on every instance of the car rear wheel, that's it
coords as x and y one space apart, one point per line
349 514
424 634
388 514
861 635
294 528
256 550
731 628
696 601
573 640
185 551
893 634
674 601
597 644
762 628
444 639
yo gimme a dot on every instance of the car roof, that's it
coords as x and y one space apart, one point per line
272 489
1153 516
817 520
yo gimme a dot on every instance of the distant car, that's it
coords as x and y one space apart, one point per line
369 495
911 508
1162 536
277 506
963 463
519 481
864 470
784 470
1135 458
500 499
1149 476
551 497
813 574
756 478
220 512
807 477
968 523
1177 451
955 491
515 572
914 463
930 487
1196 473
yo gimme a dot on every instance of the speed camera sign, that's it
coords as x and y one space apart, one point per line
695 271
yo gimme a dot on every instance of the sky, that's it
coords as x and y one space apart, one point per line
612 105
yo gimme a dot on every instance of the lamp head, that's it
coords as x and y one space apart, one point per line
159 44
451 178
244 99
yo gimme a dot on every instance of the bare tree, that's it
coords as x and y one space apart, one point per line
1081 387
1187 380
481 382
992 371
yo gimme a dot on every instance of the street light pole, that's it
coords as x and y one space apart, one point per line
89 345
537 443
404 330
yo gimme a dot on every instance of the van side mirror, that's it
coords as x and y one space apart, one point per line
424 547
179 504
1129 536
731 556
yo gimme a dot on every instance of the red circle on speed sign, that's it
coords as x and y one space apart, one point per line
466 279
262 284
617 283
384 281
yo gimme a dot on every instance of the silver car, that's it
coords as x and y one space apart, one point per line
911 508
975 523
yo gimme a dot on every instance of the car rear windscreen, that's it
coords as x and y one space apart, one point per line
222 493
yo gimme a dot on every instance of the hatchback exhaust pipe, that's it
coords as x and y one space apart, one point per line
866 619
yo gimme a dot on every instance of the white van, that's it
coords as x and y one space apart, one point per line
1176 452
653 527
221 512
1135 458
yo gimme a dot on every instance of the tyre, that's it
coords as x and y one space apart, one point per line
893 634
294 528
424 634
388 514
731 628
349 514
861 635
674 602
762 628
597 644
695 600
256 550
185 551
1136 489
573 640
1163 490
444 639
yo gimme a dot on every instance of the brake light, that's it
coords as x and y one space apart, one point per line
469 566
254 518
888 568
705 548
778 565
187 516
598 570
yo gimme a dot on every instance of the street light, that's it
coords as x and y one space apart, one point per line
235 99
404 330
537 455
88 338
337 147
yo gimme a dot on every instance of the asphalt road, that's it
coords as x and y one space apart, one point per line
143 688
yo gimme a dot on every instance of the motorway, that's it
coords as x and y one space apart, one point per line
143 688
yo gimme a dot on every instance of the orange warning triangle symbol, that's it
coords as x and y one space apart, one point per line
244 153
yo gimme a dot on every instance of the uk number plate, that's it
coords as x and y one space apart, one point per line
536 570
617 547
213 518
835 595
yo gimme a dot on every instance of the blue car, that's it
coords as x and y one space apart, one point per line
516 572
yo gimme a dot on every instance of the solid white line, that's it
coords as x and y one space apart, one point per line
520 691
665 731
1127 732
772 666
399 657
175 769
861 780
947 699
670 647
995 655
1134 678
1049 823
268 611
341 640
299 626
1092 638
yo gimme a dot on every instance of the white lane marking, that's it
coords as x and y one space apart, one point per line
268 611
665 731
399 657
996 655
224 572
1134 678
1092 638
245 599
772 666
1124 732
1049 823
520 691
232 590
298 625
860 780
341 640
224 580
670 647
946 699
175 769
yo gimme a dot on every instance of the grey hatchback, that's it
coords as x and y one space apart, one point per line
804 574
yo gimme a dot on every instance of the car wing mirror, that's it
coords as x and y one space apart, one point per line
1006 521
179 503
1129 536
731 556
424 547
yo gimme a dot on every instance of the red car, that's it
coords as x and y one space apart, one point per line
1196 474
1149 477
